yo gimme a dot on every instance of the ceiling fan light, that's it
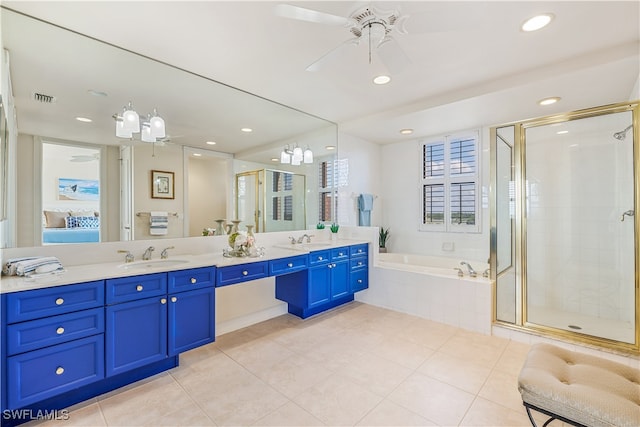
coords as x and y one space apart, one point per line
285 157
297 155
308 156
157 126
121 132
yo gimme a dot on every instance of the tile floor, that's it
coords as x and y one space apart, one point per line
356 365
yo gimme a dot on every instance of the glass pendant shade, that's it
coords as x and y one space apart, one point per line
308 156
285 157
146 135
297 155
121 132
131 121
157 126
295 161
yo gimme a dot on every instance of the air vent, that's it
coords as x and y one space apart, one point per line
45 99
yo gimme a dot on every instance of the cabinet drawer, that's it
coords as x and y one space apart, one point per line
359 250
136 287
359 280
319 257
41 374
241 273
35 334
287 265
195 278
44 302
338 254
358 263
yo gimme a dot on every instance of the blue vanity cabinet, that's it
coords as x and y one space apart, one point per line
339 269
52 342
136 330
233 274
359 268
191 306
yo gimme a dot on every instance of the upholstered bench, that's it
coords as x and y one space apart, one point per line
579 389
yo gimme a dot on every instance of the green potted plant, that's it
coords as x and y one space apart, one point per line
320 226
334 231
382 240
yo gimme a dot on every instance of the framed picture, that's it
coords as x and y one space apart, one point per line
162 186
79 189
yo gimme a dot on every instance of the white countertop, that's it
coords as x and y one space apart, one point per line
109 270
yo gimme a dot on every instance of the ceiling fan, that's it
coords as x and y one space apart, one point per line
369 25
79 158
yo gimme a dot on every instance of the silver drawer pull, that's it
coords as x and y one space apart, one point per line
59 370
320 258
340 254
359 251
139 288
329 265
290 265
163 301
359 280
60 330
174 299
193 280
59 301
245 272
360 263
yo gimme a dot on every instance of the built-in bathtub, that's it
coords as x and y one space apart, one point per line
429 287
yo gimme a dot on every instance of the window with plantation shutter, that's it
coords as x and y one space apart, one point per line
450 183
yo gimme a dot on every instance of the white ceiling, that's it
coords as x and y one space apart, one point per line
478 69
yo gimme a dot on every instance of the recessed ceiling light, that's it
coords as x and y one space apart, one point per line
97 93
549 101
247 130
83 119
537 22
211 143
406 131
330 147
274 159
197 155
562 132
381 80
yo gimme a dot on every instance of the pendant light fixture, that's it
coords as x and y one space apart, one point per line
129 123
296 156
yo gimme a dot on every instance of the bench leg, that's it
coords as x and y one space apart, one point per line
550 414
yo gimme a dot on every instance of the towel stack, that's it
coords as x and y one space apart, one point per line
27 266
158 223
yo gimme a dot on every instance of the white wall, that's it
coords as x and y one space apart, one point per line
207 192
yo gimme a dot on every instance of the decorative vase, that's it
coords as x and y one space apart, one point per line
235 222
220 227
382 250
334 236
229 227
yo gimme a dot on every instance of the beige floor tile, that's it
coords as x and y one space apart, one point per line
475 347
427 333
432 399
337 401
258 354
211 374
486 413
190 415
149 401
401 351
456 371
289 415
334 354
513 358
242 402
388 413
306 337
294 375
502 388
376 374
236 338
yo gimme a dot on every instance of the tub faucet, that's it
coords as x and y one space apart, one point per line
472 272
147 254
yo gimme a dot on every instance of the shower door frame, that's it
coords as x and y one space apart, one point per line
519 238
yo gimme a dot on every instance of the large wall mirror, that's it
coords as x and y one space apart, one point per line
67 88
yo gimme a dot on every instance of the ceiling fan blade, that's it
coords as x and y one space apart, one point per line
332 53
393 56
309 15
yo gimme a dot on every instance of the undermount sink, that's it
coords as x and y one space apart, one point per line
305 246
155 263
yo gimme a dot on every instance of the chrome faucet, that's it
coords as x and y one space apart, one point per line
147 254
164 254
460 272
301 238
128 257
486 273
472 272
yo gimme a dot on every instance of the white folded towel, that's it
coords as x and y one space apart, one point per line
158 223
26 266
9 267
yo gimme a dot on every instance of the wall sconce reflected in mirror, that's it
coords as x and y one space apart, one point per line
296 156
129 123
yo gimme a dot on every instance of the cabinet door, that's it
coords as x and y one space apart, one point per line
136 334
319 285
339 279
191 319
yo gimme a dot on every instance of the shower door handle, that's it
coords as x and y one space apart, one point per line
630 212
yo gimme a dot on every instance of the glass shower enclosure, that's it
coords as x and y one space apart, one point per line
564 236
